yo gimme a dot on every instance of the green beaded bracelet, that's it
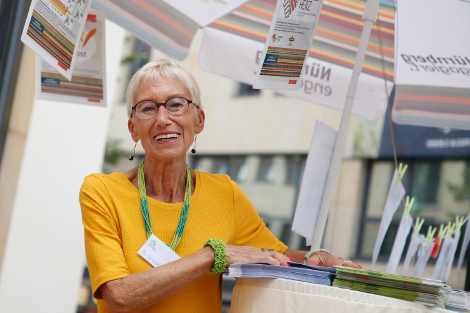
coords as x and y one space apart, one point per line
220 255
307 256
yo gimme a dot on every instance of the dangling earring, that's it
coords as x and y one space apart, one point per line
193 150
132 154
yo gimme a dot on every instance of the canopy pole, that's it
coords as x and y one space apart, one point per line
369 17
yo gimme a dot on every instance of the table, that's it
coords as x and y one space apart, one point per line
259 295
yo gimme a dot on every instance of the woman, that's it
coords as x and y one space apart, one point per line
121 211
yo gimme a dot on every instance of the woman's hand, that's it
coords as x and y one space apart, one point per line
246 254
324 259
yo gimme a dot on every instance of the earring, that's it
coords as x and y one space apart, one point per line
132 154
193 150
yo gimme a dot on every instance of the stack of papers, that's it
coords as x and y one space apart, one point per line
300 272
459 301
420 290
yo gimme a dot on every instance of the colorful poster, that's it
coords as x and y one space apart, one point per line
432 64
207 11
53 29
87 85
288 43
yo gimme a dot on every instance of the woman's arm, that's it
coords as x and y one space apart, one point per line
140 290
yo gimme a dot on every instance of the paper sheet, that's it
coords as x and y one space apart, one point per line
410 253
395 195
438 272
314 180
451 255
463 249
288 44
422 260
88 84
53 29
399 244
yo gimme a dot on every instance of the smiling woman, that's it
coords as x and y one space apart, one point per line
158 237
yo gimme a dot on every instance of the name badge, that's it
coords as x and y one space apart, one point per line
156 252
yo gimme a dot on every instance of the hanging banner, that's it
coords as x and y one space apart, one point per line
205 12
87 85
53 29
432 74
286 49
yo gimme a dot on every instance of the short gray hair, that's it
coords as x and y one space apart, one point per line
158 69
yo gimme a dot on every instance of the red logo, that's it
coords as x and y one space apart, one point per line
91 18
289 7
292 82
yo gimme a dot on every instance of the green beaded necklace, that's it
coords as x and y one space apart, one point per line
145 209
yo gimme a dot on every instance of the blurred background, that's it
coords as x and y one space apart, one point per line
258 137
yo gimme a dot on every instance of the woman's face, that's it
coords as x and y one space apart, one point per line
183 127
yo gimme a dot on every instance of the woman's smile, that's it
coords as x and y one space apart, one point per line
167 137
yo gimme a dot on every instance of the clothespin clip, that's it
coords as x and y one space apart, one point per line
401 172
430 235
450 229
418 225
442 232
408 205
458 221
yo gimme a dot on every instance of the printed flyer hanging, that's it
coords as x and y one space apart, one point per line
288 43
88 83
53 29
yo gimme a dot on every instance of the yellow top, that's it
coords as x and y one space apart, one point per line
114 232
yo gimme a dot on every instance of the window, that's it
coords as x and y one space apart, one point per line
437 185
233 166
266 170
294 169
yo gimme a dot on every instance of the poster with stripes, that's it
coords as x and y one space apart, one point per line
288 43
87 85
432 64
53 29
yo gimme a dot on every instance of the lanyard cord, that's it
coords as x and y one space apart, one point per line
145 210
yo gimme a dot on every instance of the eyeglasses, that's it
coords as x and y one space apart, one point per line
174 106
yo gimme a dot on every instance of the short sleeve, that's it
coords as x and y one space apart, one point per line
250 228
103 244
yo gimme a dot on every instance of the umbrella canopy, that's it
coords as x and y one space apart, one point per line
233 45
166 25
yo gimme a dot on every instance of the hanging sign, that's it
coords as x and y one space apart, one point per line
53 29
288 43
87 85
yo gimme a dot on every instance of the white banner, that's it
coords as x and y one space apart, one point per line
314 180
323 83
88 84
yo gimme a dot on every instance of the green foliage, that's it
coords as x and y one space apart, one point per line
113 152
462 192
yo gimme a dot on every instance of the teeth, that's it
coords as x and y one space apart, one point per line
166 137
